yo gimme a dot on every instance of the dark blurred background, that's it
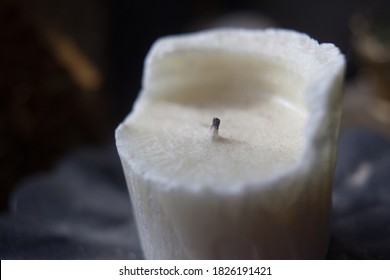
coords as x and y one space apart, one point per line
70 70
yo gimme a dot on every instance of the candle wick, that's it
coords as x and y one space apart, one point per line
215 127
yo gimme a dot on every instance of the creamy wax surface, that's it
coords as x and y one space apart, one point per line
259 186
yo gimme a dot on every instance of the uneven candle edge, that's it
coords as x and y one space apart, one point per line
323 67
286 216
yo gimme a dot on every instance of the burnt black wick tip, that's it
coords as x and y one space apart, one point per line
215 124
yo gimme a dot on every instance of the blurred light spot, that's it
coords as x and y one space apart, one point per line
361 175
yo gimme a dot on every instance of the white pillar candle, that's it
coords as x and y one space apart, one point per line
230 149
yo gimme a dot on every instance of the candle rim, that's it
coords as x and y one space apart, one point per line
231 39
322 77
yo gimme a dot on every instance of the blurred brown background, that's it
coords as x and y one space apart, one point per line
70 70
